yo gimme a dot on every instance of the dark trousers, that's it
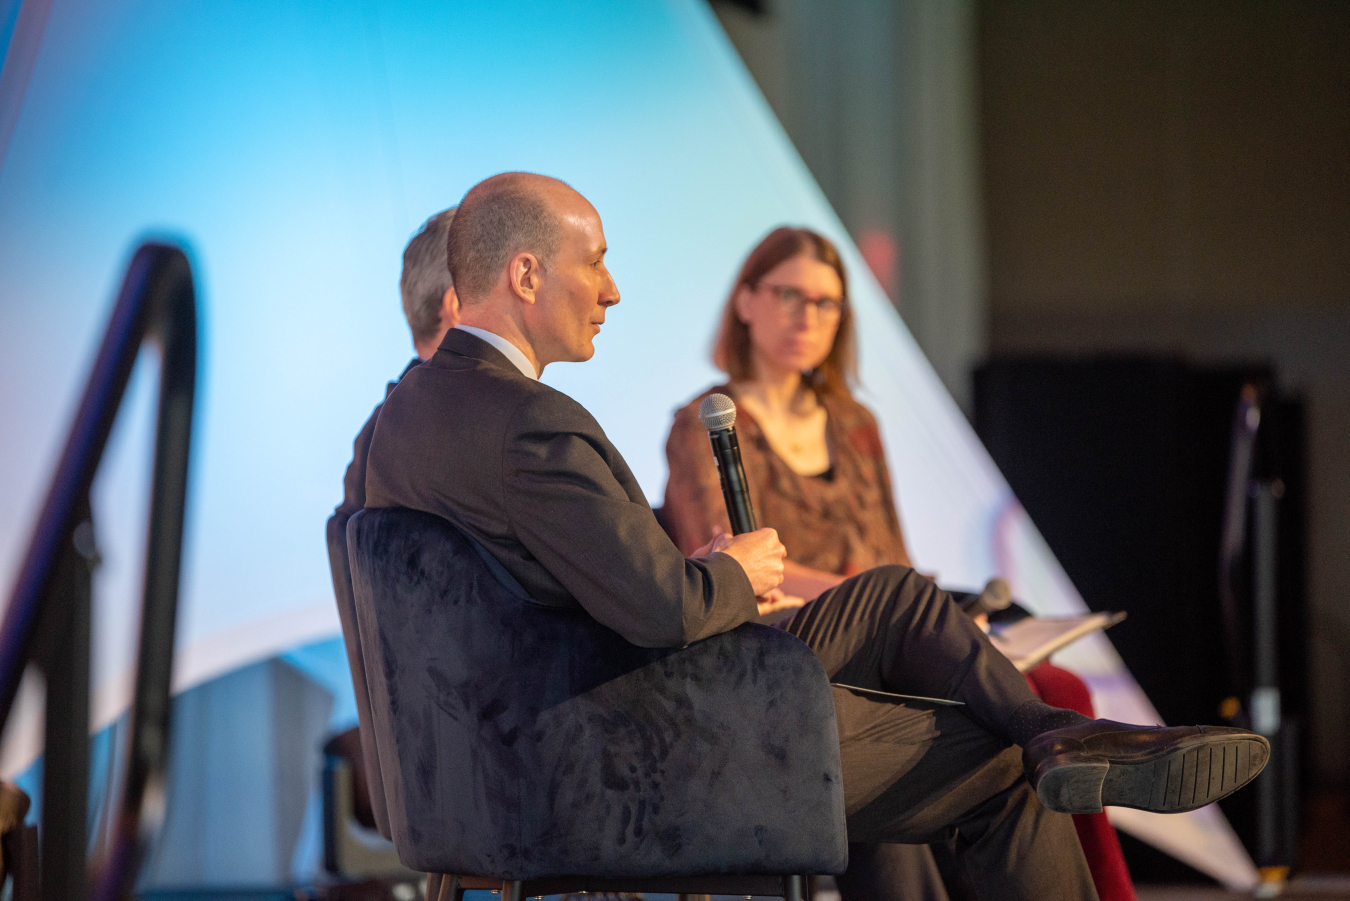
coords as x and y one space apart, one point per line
919 774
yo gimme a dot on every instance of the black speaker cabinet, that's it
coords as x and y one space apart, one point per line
1122 464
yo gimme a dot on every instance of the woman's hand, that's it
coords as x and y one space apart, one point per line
776 600
807 582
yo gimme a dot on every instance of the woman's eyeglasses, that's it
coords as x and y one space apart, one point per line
793 301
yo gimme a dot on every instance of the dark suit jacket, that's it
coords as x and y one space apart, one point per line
529 474
354 480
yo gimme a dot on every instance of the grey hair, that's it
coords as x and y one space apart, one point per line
499 217
426 276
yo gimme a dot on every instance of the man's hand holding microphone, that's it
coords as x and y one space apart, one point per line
758 551
761 555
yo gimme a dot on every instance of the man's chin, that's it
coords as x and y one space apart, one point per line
577 357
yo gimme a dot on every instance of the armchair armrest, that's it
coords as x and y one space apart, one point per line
724 752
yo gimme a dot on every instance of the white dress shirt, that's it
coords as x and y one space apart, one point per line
512 353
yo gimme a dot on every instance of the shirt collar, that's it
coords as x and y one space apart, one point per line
509 350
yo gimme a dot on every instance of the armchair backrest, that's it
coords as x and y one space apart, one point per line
351 637
520 741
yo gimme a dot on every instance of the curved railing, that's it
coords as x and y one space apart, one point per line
47 620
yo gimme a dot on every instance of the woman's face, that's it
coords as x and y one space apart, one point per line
793 313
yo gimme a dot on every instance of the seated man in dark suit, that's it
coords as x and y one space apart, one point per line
474 437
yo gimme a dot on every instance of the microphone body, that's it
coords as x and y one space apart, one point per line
718 415
735 492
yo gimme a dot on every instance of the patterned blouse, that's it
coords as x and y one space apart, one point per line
842 522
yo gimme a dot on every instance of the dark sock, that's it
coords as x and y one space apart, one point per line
1036 717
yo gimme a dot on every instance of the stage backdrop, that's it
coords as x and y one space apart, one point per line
294 148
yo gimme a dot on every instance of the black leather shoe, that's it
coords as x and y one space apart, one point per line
1084 768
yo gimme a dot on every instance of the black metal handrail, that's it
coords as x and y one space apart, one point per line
47 621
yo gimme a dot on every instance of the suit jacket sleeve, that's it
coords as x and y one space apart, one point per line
569 509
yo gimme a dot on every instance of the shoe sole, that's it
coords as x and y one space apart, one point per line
1199 771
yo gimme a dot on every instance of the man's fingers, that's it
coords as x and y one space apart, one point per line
760 554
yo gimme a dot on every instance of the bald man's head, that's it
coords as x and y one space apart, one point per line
502 216
528 257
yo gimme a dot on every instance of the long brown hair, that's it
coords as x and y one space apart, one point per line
731 351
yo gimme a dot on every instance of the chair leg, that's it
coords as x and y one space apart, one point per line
793 888
513 891
21 854
451 889
433 886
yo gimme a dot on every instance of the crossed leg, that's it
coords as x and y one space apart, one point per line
916 773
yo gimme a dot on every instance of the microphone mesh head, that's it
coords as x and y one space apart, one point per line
717 412
997 595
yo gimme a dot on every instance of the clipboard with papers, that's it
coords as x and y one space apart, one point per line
1030 640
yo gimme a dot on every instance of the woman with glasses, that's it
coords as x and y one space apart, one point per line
812 453
817 473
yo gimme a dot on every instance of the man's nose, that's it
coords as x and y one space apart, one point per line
610 295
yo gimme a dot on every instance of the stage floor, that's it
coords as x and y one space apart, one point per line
1312 887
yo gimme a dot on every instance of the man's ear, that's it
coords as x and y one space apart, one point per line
449 309
524 273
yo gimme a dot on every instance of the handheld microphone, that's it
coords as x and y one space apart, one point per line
997 595
718 415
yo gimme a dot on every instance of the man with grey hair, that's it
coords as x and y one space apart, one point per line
431 306
426 286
